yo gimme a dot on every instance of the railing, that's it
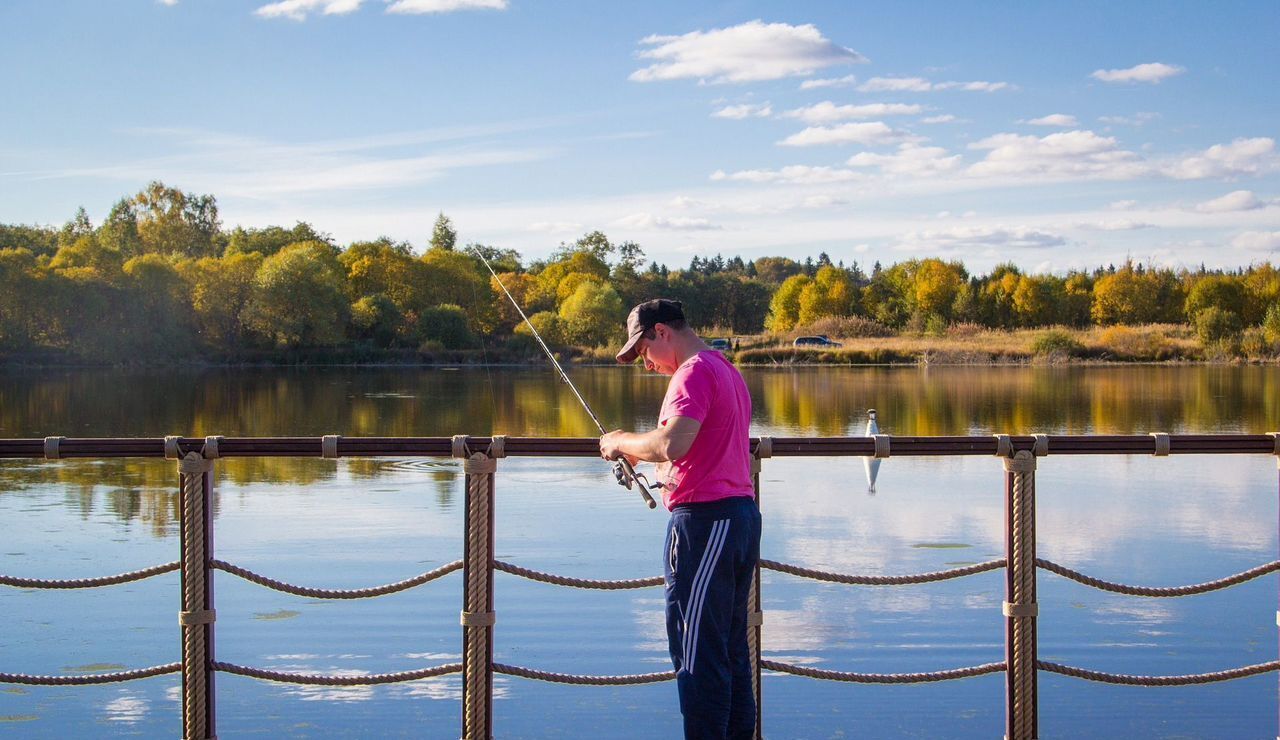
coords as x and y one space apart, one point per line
196 458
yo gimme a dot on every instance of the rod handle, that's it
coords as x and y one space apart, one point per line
639 481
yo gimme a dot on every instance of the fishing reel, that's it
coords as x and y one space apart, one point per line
627 476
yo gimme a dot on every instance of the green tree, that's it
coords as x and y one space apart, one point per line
157 314
39 240
120 231
443 236
1226 292
593 314
446 324
1124 297
1039 300
459 279
298 298
784 307
78 226
774 270
376 319
221 289
173 222
268 240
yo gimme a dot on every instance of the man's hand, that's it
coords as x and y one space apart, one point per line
610 447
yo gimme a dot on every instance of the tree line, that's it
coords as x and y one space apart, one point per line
161 277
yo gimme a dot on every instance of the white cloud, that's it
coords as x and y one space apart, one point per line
896 84
1054 119
1069 153
1239 200
873 132
979 237
555 227
944 118
829 112
797 174
443 6
749 52
678 223
1263 241
823 201
920 84
169 3
1140 118
746 110
684 202
1123 224
910 159
1240 157
1122 205
298 9
1152 72
845 81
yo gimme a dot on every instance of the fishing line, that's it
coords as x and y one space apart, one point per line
622 468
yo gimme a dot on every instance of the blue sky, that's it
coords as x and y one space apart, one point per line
1053 135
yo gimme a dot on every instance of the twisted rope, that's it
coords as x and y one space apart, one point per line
1021 654
135 575
97 678
311 679
1198 588
195 657
1187 680
535 575
931 676
475 638
579 680
940 575
325 593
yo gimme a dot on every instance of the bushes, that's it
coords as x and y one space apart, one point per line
1129 343
1056 342
1215 324
845 327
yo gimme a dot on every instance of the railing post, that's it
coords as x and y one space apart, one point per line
477 601
755 615
1275 440
197 616
1020 607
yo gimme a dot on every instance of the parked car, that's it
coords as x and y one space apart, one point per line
818 341
724 345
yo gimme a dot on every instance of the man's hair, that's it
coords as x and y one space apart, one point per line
676 324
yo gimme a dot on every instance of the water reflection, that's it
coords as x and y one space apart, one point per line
430 402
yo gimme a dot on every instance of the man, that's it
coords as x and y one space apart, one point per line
713 537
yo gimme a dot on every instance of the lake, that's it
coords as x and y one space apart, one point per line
351 523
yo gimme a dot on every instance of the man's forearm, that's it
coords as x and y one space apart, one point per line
648 446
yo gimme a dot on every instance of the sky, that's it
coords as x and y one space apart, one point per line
1053 135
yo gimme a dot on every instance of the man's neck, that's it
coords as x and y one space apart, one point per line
687 345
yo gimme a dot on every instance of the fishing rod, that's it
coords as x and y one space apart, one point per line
622 468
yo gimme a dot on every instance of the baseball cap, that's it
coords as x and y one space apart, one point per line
643 317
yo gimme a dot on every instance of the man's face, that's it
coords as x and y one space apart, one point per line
654 348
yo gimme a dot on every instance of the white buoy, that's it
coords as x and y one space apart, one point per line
872 464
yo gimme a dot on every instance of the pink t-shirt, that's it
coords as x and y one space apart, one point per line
708 388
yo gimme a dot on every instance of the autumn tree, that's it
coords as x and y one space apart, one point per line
443 236
173 222
593 314
298 298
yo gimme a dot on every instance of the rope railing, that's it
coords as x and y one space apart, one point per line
312 679
329 593
479 456
580 680
1187 680
1197 588
90 679
877 580
884 678
130 577
587 583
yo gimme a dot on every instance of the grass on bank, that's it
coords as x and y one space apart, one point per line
973 344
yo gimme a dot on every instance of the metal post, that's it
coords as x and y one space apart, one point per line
755 615
1275 437
477 604
197 615
1020 607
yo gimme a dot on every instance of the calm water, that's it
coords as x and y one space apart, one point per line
354 523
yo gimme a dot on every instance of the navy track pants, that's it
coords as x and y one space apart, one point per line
712 551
